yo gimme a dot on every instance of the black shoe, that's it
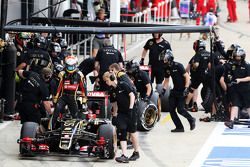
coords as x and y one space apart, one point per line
122 159
229 124
177 130
192 124
186 107
134 156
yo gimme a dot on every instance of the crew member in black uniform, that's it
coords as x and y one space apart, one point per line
71 79
38 57
141 80
199 66
123 102
177 95
156 46
237 79
121 75
21 40
34 92
104 58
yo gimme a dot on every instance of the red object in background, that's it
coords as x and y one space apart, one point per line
198 21
211 4
231 6
201 7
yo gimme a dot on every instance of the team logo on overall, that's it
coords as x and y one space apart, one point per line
151 43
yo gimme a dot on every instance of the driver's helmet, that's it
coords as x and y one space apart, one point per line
71 63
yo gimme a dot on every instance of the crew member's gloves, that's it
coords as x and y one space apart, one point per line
131 113
114 121
163 92
142 61
185 92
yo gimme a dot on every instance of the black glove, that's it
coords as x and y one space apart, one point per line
163 92
185 92
142 61
131 113
146 99
114 121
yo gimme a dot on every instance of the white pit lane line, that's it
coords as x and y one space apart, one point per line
233 146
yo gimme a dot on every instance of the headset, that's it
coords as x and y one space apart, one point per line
112 77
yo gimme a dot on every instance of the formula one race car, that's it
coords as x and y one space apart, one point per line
92 134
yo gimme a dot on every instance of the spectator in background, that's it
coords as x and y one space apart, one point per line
231 6
99 38
145 4
76 6
185 8
124 10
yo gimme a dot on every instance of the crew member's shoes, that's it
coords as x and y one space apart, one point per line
122 159
194 108
192 124
134 156
177 130
229 124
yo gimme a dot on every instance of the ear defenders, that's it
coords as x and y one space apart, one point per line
112 77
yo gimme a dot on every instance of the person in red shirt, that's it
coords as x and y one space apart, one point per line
231 6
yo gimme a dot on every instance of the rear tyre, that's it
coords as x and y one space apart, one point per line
147 115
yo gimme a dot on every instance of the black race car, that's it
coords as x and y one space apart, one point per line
92 134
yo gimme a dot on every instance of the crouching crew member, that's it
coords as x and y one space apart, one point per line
34 91
140 79
237 79
123 98
181 80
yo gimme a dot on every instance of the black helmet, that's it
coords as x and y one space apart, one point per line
160 34
132 67
169 57
57 35
239 52
218 45
63 43
40 42
229 54
199 45
54 47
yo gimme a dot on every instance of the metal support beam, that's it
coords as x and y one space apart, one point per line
4 10
110 30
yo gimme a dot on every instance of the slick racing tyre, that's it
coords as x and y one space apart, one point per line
157 101
164 99
147 115
29 129
106 131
